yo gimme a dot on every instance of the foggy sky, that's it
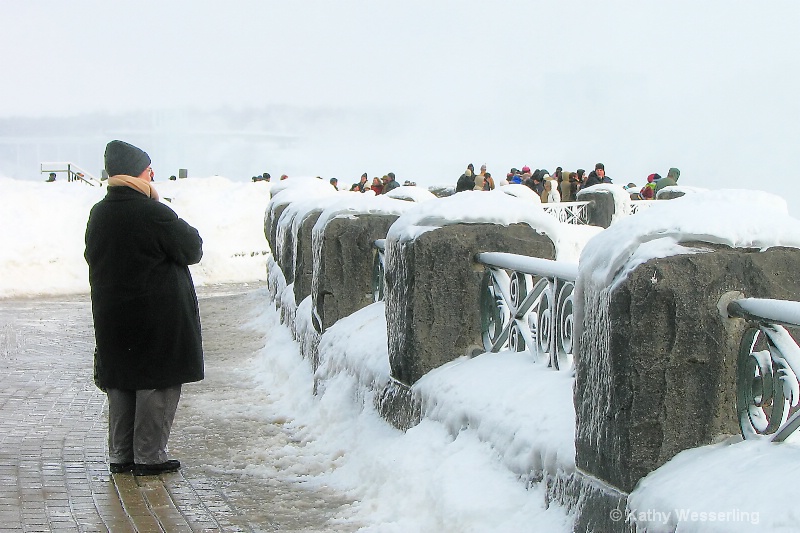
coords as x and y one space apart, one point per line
710 87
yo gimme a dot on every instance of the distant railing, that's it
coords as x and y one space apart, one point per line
379 271
520 315
768 391
568 212
73 171
640 205
578 212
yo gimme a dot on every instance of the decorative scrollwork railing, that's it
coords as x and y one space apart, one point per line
640 205
379 270
768 392
527 306
568 212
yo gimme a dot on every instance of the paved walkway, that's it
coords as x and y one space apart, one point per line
53 460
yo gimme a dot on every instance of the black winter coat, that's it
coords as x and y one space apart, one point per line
592 180
146 317
465 183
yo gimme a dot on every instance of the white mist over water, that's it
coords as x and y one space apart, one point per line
418 88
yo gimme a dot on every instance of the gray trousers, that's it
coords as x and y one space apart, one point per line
139 422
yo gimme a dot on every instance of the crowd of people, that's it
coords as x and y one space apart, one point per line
562 185
378 185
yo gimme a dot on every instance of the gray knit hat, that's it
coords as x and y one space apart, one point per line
124 158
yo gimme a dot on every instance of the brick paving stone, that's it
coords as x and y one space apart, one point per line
53 459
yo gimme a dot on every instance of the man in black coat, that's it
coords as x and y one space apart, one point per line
146 316
597 176
466 182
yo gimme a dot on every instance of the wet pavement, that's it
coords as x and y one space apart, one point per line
53 456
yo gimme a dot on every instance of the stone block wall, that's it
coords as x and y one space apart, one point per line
271 218
664 379
342 272
433 291
284 244
304 256
660 379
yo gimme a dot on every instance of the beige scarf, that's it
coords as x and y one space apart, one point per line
142 186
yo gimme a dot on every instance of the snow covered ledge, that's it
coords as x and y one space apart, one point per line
655 359
342 249
433 284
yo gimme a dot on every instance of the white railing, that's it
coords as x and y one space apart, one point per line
768 391
73 172
578 212
568 212
527 306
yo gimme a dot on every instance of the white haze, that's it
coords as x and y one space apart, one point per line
641 86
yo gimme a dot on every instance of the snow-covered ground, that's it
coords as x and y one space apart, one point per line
488 419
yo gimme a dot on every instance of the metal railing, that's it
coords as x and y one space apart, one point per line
578 212
640 205
73 171
527 306
568 212
768 391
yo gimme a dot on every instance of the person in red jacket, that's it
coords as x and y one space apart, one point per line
377 186
648 192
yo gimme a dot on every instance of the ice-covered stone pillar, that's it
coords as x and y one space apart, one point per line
284 243
433 284
433 291
303 255
271 217
342 267
283 194
343 240
656 361
603 206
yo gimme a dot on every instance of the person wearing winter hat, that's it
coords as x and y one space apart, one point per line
144 307
597 176
466 182
633 191
670 181
390 184
127 165
648 192
550 193
600 170
362 185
